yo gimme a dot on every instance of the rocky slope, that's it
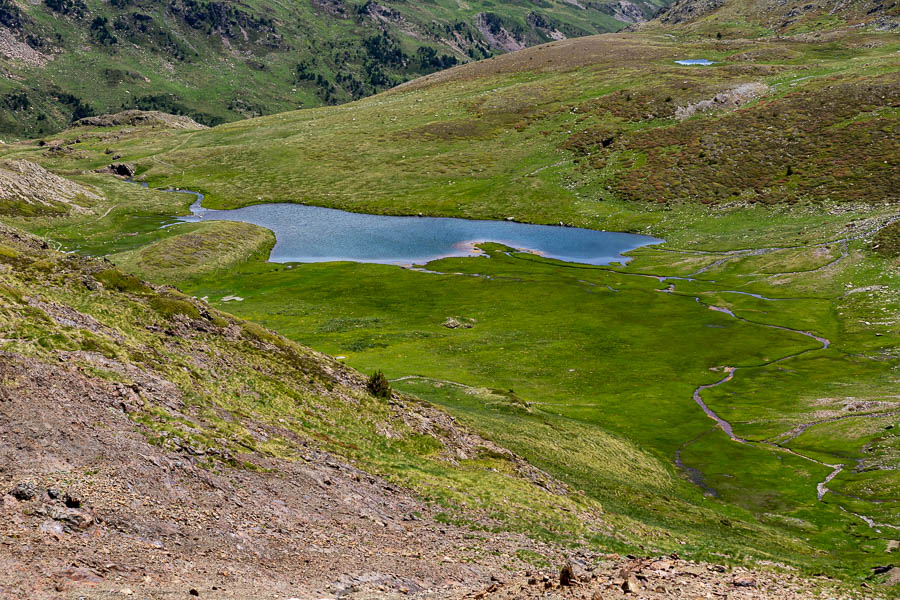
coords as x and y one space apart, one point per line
26 187
221 61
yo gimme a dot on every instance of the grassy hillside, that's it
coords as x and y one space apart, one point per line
762 18
201 382
222 61
768 173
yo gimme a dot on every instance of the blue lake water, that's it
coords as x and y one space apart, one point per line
695 61
315 234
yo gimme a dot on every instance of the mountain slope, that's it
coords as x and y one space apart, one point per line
769 123
754 18
221 61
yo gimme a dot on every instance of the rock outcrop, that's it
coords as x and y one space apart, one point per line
26 187
139 118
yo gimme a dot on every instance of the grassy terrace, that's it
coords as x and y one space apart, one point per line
589 372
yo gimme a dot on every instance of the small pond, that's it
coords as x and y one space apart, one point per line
695 61
316 234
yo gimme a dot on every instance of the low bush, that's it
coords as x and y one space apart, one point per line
378 385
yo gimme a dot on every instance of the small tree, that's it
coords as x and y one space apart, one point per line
378 385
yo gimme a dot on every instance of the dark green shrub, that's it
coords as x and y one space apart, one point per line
378 385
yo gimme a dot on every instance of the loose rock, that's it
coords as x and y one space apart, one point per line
24 491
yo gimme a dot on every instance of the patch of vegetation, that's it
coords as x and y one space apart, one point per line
378 385
168 306
714 160
197 249
887 241
122 282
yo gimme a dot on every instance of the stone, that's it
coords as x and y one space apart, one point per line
743 581
73 517
53 528
82 574
451 323
122 169
631 585
24 491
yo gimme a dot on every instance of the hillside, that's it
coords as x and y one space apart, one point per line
194 449
758 18
727 396
222 61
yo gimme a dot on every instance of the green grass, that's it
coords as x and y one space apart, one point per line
562 370
198 249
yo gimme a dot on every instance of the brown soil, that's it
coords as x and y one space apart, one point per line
152 522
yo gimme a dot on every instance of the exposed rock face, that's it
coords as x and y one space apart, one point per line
496 35
782 14
726 100
682 11
13 49
627 12
335 8
26 184
140 117
122 169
